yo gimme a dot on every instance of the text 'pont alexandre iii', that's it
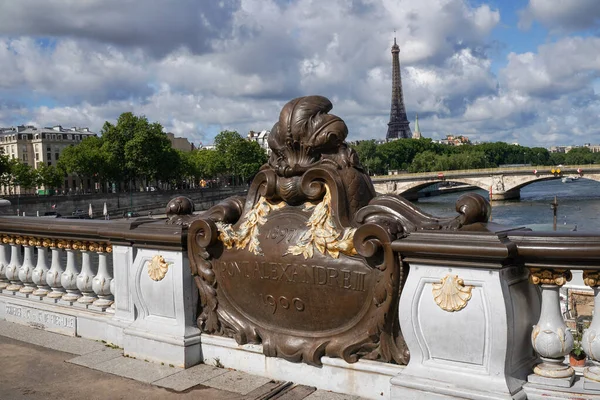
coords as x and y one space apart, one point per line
294 273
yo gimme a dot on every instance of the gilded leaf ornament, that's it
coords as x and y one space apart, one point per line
322 233
451 294
157 268
247 234
591 278
541 276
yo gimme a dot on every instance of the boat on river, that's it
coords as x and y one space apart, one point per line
566 179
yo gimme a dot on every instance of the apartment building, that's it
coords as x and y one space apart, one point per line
42 146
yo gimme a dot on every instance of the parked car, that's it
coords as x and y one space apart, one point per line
130 214
52 214
79 214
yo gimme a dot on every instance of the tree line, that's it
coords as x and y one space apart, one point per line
135 150
424 155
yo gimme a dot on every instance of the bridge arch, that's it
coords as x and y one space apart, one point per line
504 186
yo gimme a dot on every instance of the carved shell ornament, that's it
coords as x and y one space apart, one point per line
451 294
157 268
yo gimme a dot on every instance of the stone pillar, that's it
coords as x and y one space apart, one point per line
120 286
12 270
26 270
102 281
165 299
4 261
514 194
550 337
41 270
53 276
68 278
591 336
467 330
86 276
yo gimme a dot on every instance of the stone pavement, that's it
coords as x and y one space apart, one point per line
36 365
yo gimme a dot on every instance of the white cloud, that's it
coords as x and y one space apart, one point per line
199 68
561 15
568 65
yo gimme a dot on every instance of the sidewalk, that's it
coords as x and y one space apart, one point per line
38 365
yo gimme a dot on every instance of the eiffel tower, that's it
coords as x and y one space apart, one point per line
398 126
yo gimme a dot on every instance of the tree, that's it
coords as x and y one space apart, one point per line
209 164
86 159
369 159
241 157
148 152
579 155
48 176
557 158
22 175
114 138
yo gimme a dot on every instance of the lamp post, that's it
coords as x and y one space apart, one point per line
554 206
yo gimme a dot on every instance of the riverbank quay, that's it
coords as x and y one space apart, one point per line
116 203
36 364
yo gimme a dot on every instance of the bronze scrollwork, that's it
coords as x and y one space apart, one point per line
303 264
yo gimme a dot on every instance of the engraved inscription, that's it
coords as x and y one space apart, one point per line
279 234
294 273
41 319
283 302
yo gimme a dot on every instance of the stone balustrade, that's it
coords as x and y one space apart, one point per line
74 267
479 308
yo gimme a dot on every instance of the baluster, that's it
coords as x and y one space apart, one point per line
103 280
111 309
12 270
41 269
4 261
53 276
591 336
86 276
26 270
68 279
550 337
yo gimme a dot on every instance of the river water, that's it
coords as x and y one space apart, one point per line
578 205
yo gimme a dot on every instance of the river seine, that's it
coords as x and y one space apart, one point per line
578 205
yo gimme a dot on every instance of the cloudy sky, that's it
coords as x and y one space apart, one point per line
521 71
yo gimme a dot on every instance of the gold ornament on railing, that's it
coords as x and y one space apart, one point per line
157 268
7 239
591 278
541 276
64 244
20 240
451 294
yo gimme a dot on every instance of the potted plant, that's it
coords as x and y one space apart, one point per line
577 356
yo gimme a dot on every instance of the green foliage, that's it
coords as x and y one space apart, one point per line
48 176
241 158
208 164
580 155
87 158
148 151
422 155
22 174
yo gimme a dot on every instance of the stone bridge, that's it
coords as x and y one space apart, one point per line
502 183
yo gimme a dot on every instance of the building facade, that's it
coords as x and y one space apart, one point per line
179 143
42 146
262 138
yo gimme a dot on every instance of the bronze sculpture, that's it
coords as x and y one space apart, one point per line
303 264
